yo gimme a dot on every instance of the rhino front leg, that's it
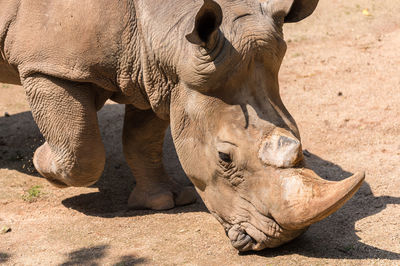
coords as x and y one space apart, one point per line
143 139
65 112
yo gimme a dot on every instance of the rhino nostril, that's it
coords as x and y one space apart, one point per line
243 242
244 238
280 150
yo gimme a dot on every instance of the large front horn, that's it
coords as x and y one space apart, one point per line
306 198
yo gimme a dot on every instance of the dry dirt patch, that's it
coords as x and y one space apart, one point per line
340 80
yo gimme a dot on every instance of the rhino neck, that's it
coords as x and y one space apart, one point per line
159 81
143 81
129 70
163 47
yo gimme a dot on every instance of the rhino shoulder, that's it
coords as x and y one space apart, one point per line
75 40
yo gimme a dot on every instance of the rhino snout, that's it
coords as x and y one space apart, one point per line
281 149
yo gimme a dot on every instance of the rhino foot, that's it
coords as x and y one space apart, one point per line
160 198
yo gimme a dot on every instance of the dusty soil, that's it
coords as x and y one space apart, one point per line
340 80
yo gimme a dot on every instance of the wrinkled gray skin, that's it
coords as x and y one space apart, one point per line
208 69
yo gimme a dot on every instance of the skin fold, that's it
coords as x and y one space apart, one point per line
208 69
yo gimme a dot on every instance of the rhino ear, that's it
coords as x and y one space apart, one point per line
300 10
207 22
291 10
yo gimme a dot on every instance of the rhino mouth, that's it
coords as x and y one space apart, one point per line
245 236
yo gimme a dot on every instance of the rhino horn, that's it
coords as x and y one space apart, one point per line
307 198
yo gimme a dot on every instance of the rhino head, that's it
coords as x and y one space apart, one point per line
234 137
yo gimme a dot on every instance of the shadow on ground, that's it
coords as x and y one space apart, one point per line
93 255
4 257
19 138
334 237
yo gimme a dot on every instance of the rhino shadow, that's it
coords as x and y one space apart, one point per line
335 237
20 136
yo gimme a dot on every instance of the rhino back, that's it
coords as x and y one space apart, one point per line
80 40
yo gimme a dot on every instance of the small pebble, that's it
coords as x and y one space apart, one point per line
340 93
6 114
5 229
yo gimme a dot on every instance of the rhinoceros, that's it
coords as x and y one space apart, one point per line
207 68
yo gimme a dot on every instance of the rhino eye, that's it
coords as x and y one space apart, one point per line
225 157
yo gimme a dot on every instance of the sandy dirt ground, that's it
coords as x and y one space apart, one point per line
341 82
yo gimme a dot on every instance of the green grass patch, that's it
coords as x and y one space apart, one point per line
32 194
